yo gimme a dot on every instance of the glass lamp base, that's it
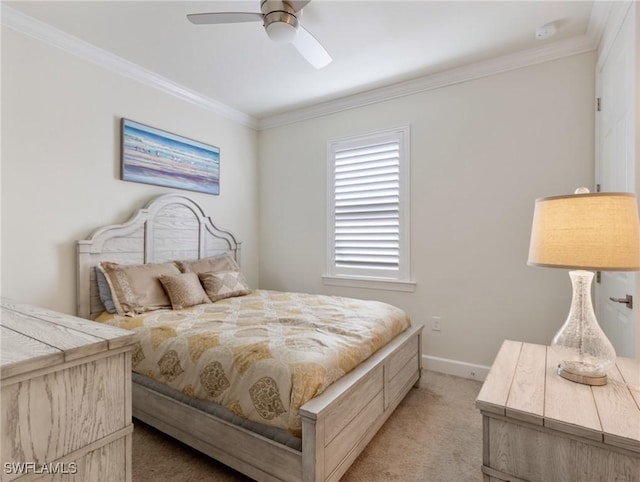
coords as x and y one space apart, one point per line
581 372
583 350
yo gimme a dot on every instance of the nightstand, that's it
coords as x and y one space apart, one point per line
538 426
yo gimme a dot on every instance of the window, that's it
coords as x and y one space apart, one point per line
368 211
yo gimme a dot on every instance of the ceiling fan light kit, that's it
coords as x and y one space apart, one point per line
281 25
281 22
281 32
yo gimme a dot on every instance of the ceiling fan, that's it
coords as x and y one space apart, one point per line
281 20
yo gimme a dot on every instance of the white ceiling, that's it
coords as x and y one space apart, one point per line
373 43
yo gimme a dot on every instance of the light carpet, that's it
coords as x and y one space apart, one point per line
435 434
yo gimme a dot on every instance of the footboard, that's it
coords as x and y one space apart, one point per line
337 425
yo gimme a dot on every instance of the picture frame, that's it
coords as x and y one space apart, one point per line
153 156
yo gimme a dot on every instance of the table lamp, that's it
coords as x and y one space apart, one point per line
585 231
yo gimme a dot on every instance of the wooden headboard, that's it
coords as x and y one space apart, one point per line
169 227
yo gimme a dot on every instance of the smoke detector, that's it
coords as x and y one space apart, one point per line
546 31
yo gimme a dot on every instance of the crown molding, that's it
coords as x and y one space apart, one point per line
54 37
557 50
590 41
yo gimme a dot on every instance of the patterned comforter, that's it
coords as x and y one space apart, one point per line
262 355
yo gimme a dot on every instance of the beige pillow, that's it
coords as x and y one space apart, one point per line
208 265
136 288
184 290
224 284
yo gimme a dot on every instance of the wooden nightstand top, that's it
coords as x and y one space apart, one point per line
32 338
523 384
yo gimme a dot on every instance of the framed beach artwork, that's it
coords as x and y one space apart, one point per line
154 156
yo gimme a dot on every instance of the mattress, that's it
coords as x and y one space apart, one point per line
260 356
279 435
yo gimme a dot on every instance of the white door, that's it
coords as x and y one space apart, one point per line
615 171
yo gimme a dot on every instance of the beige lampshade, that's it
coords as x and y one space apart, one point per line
595 231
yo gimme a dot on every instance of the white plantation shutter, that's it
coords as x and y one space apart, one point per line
367 198
368 225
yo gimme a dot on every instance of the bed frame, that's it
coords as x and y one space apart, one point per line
336 426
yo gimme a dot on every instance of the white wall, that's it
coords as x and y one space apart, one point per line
481 153
61 165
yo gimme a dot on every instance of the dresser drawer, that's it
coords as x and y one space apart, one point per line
46 417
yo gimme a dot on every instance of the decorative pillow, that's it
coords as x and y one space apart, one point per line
208 265
224 284
105 292
136 288
184 290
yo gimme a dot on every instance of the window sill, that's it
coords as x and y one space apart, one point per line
370 283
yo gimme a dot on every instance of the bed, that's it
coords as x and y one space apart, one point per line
334 426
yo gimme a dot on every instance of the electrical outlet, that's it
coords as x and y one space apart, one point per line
435 323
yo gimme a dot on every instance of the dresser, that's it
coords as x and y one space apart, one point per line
538 426
65 384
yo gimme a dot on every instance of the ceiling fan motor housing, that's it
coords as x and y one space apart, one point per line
280 20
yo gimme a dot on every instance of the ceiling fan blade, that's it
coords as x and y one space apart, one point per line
311 49
298 4
224 17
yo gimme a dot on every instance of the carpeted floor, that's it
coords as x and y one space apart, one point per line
435 435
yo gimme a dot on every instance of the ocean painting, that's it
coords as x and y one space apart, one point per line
153 156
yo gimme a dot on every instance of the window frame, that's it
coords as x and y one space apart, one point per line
398 280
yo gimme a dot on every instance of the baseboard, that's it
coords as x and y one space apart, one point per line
455 367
